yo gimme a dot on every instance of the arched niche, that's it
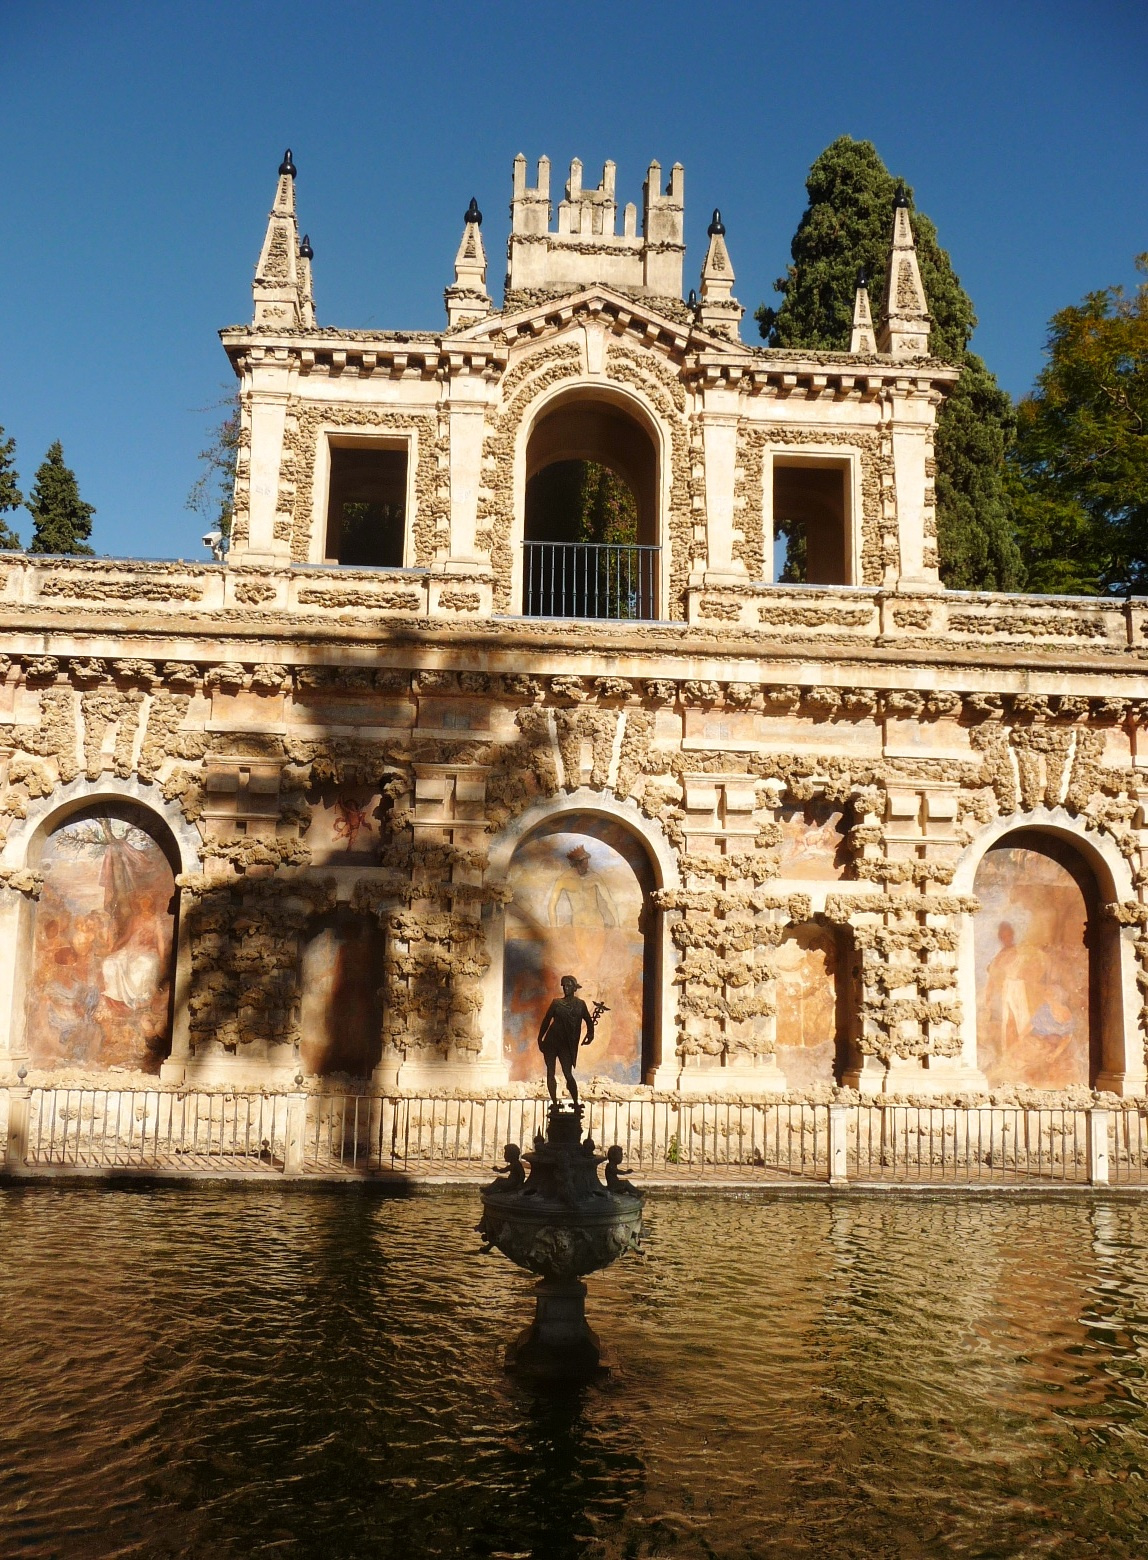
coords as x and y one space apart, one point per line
340 1001
591 478
579 889
814 996
99 952
586 425
1047 970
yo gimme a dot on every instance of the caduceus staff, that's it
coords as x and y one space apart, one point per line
595 1014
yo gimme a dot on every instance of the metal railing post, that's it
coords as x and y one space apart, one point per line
1098 1147
838 1145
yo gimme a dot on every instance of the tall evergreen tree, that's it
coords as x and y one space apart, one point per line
847 228
62 521
10 494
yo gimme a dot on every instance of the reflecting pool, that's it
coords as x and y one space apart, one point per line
267 1372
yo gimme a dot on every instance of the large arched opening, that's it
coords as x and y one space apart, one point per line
591 529
580 903
1048 1014
99 983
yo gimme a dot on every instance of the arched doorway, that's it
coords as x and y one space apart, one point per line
340 1006
590 534
1041 961
99 986
580 887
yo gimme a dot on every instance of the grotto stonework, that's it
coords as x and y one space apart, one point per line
297 814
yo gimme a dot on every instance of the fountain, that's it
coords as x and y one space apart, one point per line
559 1221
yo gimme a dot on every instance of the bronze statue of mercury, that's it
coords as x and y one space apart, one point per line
560 1035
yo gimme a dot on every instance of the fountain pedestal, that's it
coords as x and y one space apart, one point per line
559 1342
561 1223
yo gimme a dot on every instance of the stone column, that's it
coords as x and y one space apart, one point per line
719 425
467 412
912 415
267 396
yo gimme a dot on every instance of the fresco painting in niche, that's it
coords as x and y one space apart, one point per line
806 1044
100 985
1032 970
346 826
812 846
340 1010
576 908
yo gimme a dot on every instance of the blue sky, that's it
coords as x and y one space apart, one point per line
141 143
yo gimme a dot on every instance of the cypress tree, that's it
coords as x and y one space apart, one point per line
10 494
847 227
63 522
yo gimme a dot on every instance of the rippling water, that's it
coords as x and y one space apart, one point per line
235 1373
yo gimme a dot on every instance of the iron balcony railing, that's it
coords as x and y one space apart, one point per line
589 580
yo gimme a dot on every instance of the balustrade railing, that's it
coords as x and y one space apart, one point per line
589 580
100 1129
187 1131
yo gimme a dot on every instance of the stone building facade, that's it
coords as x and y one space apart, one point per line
348 804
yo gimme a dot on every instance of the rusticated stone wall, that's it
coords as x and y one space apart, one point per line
382 786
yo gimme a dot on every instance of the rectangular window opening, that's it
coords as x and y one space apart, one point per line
811 534
366 506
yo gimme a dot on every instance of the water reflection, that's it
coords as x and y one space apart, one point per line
248 1373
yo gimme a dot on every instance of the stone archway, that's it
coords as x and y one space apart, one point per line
1044 957
580 886
99 979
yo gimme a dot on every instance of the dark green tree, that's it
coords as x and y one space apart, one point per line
1079 469
847 227
10 494
62 520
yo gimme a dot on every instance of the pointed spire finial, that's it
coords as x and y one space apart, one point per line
862 279
905 317
282 275
305 248
719 310
692 300
466 298
862 340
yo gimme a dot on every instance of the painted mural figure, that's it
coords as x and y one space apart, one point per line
578 894
578 899
561 1033
1032 971
102 948
1014 973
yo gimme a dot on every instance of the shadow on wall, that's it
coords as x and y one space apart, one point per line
340 980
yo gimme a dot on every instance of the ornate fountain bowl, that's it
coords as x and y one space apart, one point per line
557 1242
561 1224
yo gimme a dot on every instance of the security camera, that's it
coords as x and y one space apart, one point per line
214 542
